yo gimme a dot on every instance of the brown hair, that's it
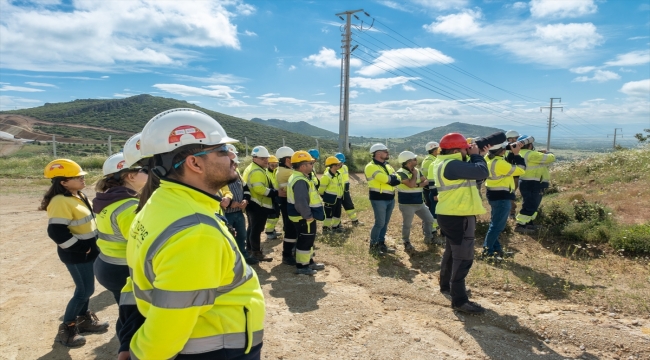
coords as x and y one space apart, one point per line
55 189
111 181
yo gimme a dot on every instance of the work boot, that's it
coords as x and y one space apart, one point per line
428 241
523 229
386 249
357 223
251 260
470 308
305 271
273 235
408 247
338 229
89 322
69 335
327 230
317 266
506 254
260 256
289 260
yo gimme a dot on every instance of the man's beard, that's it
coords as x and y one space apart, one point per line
217 178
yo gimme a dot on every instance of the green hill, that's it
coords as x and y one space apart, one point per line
299 127
131 114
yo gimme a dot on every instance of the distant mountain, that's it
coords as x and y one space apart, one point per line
131 114
300 127
417 141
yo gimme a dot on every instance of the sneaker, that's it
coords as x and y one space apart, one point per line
523 229
89 322
251 260
289 260
260 256
69 335
470 308
408 247
306 271
386 249
317 266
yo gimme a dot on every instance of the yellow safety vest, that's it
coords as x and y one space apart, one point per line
259 185
455 197
501 174
113 225
426 164
73 212
274 180
378 178
407 195
345 174
314 199
537 164
332 187
189 279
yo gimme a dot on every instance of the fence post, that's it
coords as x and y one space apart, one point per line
54 145
109 146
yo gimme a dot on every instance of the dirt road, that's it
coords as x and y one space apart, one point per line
353 310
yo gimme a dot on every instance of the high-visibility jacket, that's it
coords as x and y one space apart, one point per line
113 224
72 226
282 176
314 179
408 195
455 197
274 180
537 164
259 185
379 178
426 164
501 174
345 174
189 279
331 187
315 203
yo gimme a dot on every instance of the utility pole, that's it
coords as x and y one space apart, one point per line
550 120
54 145
344 113
109 146
615 131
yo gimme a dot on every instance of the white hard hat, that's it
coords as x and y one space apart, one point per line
131 150
232 149
405 156
260 151
498 147
377 147
431 145
284 151
174 128
114 164
512 134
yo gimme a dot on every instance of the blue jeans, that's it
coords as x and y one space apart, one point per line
383 209
238 221
84 280
499 217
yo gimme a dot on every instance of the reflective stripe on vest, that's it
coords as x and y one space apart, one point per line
68 222
217 342
112 259
116 236
183 299
315 202
493 171
440 184
127 298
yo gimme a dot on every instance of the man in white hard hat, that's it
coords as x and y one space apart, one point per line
511 137
410 200
382 180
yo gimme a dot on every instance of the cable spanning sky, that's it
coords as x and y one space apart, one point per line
418 63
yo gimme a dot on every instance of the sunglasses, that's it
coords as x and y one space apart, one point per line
221 150
80 177
143 170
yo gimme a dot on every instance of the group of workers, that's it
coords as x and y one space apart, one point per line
445 194
173 205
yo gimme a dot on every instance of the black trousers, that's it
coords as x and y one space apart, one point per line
290 235
458 256
347 198
256 216
332 214
305 244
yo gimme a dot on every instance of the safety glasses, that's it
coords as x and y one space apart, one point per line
221 150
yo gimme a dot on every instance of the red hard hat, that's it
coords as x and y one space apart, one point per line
454 141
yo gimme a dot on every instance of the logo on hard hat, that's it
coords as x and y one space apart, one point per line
56 166
137 145
120 164
176 134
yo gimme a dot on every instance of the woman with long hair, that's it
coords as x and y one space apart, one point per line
71 224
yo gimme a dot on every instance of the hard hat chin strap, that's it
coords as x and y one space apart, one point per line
164 163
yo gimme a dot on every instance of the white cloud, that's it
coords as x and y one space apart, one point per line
380 84
193 101
319 94
404 58
354 94
249 33
269 94
639 37
105 77
408 88
233 103
123 95
13 102
633 58
325 30
562 8
441 4
99 35
639 88
292 67
583 69
215 91
213 78
19 88
40 84
599 76
519 5
245 9
327 58
557 45
273 100
394 5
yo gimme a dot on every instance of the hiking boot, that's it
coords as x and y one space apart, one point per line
89 322
317 266
533 226
306 271
408 247
69 335
251 260
289 260
386 249
339 229
260 256
470 308
523 229
273 235
506 254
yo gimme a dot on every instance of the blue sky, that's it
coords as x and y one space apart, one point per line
423 63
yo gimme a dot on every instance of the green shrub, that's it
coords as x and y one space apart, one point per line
585 211
554 217
589 232
632 239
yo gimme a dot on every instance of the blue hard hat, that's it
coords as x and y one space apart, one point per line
522 137
314 153
340 156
